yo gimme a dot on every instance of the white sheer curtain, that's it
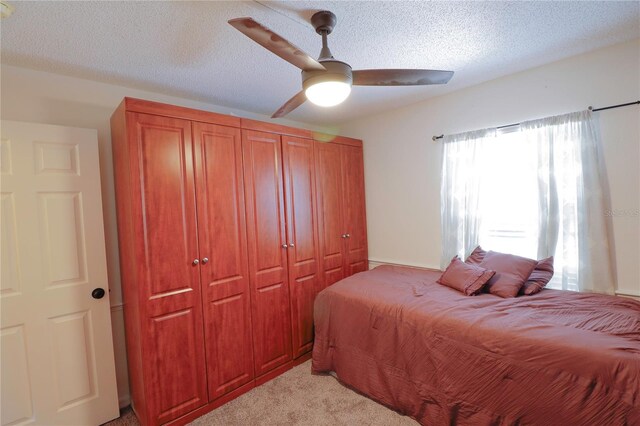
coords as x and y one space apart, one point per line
573 226
462 167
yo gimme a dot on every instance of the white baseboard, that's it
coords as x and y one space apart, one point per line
627 293
124 400
117 307
119 347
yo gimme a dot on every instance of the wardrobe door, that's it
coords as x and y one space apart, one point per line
168 278
330 218
267 245
224 267
354 210
303 251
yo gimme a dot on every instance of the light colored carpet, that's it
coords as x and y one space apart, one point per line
296 398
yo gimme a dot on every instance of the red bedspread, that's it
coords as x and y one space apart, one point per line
555 358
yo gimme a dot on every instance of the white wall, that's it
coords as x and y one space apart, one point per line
35 96
403 164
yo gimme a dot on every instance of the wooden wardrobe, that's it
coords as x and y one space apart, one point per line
228 228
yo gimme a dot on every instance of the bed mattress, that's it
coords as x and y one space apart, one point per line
432 353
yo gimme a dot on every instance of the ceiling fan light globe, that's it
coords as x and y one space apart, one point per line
328 93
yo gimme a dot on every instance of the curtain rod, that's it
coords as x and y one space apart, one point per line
435 138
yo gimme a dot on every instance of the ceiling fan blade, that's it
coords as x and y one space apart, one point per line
290 105
400 77
276 44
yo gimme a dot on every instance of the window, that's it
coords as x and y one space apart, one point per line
534 191
510 204
508 198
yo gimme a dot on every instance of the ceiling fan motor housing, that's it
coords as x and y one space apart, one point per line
324 21
336 71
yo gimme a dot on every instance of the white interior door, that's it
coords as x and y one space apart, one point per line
55 339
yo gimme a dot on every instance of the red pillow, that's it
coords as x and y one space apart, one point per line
476 256
511 272
539 278
468 279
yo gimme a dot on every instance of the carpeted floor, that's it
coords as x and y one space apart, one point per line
296 398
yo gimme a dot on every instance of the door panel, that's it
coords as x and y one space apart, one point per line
330 205
332 276
267 258
268 207
272 328
74 361
303 251
64 243
57 352
359 266
223 240
166 179
177 379
229 354
354 209
11 283
303 293
171 299
17 405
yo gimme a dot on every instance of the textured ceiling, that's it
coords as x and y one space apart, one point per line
187 49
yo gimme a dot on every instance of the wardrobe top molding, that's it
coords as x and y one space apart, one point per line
174 111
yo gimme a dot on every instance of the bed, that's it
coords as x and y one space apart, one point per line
434 354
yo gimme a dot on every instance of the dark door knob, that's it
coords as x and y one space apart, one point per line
97 293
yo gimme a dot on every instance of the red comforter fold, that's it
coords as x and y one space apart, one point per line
554 358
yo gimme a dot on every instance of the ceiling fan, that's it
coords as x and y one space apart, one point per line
327 81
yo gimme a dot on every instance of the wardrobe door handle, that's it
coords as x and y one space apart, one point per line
284 246
348 235
343 236
291 245
195 262
205 260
